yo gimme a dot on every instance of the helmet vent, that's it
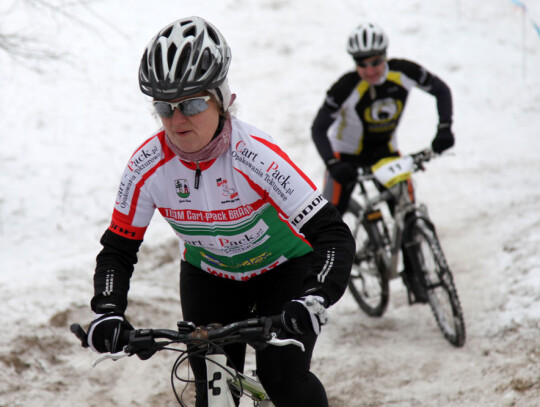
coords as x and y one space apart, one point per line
158 65
190 32
205 60
183 62
170 53
144 64
167 32
213 36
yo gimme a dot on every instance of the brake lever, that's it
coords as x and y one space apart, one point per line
284 342
113 356
421 157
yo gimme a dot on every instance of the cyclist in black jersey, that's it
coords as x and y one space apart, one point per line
356 125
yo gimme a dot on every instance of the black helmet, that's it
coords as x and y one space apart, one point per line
186 57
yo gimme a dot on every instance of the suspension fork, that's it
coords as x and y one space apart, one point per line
417 217
395 248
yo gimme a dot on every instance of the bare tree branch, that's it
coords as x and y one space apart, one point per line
26 48
20 46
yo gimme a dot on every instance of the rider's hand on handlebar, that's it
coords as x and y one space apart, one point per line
342 172
444 138
109 332
304 315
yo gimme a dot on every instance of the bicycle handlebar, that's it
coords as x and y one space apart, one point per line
423 156
143 341
419 158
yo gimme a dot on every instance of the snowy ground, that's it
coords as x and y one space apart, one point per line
69 129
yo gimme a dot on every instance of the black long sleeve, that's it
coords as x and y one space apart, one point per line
319 130
442 93
334 249
114 267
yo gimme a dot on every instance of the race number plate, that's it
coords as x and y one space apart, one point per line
392 170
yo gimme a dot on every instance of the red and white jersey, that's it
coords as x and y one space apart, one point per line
242 220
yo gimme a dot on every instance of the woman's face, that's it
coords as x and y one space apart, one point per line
191 133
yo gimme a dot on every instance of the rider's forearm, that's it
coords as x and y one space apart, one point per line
333 247
442 93
319 130
114 267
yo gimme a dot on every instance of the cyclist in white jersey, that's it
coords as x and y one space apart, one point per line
258 234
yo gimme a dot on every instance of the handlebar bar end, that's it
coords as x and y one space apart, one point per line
79 333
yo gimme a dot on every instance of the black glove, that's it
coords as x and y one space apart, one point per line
304 315
109 332
342 172
444 138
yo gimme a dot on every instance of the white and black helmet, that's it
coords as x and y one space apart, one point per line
366 40
186 57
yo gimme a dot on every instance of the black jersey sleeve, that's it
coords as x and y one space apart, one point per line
430 83
319 130
442 93
326 115
334 248
114 267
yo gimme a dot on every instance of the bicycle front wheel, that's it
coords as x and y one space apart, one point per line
434 274
368 281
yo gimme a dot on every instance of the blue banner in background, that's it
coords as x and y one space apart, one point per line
536 27
519 3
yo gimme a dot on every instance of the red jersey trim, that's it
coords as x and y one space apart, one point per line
168 155
204 165
125 230
222 215
283 155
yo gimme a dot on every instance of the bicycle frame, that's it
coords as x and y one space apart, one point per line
220 379
403 207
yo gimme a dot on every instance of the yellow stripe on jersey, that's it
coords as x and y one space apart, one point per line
395 77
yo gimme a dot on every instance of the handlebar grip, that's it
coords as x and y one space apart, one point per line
277 322
79 333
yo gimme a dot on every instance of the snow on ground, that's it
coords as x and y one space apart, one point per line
70 125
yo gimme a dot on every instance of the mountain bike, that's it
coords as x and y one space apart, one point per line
390 226
223 381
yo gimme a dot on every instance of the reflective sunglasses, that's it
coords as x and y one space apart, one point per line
188 107
363 64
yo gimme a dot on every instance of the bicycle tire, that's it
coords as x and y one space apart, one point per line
368 282
430 266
